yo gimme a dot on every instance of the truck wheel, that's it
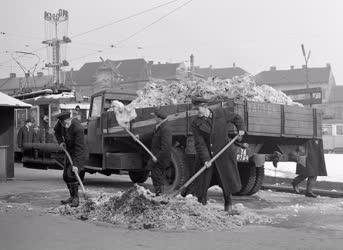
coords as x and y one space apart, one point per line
139 176
247 173
176 173
259 180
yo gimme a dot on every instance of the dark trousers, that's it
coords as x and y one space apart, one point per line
158 174
68 175
311 180
210 176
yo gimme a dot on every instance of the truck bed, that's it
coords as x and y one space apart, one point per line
261 119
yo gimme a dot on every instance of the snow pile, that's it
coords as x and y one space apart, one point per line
124 114
161 93
137 208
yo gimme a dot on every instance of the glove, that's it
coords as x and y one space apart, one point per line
154 159
63 145
207 164
241 132
75 169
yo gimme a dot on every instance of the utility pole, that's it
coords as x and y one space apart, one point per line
52 24
307 57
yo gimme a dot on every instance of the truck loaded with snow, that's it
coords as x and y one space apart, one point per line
276 129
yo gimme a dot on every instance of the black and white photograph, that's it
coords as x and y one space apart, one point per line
171 124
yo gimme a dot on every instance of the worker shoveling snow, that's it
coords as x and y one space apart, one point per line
138 208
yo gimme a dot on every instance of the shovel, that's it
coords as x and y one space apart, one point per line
141 144
210 162
75 172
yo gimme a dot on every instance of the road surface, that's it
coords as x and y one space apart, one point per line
24 223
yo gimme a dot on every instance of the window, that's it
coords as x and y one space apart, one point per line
327 129
339 129
96 106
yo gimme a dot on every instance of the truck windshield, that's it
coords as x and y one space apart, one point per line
96 106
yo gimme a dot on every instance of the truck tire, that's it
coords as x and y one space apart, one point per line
139 176
259 180
176 173
247 172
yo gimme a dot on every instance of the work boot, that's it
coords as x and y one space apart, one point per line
228 206
296 188
158 190
310 194
75 198
310 183
67 201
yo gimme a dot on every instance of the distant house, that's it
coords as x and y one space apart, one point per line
296 78
125 74
168 71
333 121
221 73
13 84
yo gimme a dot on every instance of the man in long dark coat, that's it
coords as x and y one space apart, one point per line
160 146
210 130
70 134
25 134
315 166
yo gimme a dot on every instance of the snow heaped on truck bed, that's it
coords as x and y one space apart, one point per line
244 87
334 166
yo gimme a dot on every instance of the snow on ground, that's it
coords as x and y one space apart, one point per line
333 162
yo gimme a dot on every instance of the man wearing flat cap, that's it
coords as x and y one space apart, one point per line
25 134
70 135
160 146
210 131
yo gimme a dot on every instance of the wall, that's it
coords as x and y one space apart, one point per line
7 136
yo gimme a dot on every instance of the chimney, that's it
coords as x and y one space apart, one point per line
328 65
234 65
272 68
13 75
151 62
39 74
159 62
27 74
292 66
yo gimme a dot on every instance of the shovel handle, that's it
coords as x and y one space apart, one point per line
75 172
204 167
141 144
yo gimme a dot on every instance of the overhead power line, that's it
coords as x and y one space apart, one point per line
137 32
125 18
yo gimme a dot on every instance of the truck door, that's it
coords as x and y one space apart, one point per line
94 132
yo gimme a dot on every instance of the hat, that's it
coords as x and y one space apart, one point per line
28 120
200 100
63 116
160 114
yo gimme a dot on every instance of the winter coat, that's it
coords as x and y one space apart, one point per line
315 162
24 136
210 136
161 143
75 142
60 132
37 137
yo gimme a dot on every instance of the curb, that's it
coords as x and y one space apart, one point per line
288 189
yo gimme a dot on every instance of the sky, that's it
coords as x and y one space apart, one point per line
252 34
